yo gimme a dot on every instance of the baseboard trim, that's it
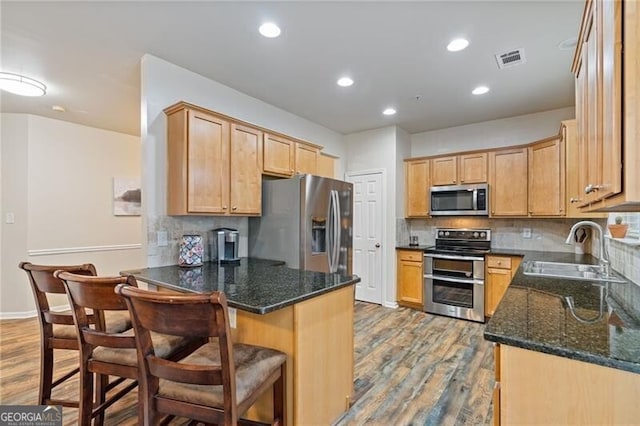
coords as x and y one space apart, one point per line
392 305
30 314
88 249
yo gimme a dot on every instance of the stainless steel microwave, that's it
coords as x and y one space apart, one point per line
464 200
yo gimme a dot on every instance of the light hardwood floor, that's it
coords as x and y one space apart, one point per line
411 368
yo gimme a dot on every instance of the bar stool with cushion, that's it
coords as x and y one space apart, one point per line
109 354
218 382
57 330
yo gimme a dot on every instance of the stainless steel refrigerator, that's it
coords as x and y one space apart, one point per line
306 222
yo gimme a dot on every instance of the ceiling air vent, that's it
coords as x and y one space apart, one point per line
511 58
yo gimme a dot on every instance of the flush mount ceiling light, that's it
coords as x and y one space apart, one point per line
269 30
389 111
457 44
480 90
345 82
21 85
568 44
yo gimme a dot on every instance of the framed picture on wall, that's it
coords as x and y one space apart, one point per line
127 197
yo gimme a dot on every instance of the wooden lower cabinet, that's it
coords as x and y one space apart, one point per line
410 279
499 272
317 336
538 388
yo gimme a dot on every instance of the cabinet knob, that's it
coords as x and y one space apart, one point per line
224 207
591 188
574 200
234 208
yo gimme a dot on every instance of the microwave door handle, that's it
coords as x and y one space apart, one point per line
475 199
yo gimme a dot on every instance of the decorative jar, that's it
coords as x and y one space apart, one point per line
191 251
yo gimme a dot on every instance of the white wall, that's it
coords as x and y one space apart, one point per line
403 150
58 181
164 84
376 150
490 134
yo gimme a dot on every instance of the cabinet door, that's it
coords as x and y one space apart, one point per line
444 171
547 179
593 99
410 282
417 188
278 155
245 170
496 283
326 166
508 182
609 16
207 164
473 168
306 159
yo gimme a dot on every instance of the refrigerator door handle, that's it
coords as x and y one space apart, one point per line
337 224
330 233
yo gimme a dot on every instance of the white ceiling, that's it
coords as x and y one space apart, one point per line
88 54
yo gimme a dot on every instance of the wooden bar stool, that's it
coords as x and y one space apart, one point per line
104 353
218 382
57 330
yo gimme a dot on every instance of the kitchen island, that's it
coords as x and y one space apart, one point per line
307 315
566 363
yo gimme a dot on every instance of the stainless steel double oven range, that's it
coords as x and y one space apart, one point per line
454 273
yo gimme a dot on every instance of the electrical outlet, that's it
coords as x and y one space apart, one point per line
526 232
162 238
10 218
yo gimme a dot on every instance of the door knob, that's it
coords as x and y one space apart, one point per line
377 245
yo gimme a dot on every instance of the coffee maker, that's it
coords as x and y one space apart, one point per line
224 244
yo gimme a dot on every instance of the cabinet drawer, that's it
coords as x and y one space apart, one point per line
499 262
411 255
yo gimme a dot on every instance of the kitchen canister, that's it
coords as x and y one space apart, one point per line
191 251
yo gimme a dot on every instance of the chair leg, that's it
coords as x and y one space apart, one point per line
46 374
86 396
102 382
279 398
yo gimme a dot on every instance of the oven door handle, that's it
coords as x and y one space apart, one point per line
452 257
454 280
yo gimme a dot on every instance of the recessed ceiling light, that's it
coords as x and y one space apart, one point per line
457 44
480 90
21 85
345 82
58 108
389 111
269 30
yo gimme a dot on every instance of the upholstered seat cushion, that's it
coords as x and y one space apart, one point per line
253 365
163 344
116 322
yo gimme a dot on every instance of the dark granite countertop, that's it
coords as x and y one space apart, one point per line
253 285
603 328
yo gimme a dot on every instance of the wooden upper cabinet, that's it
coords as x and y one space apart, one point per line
508 182
326 166
279 155
306 159
473 168
417 188
547 178
444 170
197 152
459 169
214 164
245 170
607 70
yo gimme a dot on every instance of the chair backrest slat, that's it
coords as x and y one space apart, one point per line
186 373
98 338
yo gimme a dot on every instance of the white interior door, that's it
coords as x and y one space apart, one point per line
367 234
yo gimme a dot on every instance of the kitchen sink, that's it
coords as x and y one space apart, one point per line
570 271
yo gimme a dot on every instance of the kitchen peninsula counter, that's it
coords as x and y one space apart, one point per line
307 315
253 285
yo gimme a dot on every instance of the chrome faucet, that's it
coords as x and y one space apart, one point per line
604 255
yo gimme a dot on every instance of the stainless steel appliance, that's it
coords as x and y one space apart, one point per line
454 273
224 245
305 222
466 200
